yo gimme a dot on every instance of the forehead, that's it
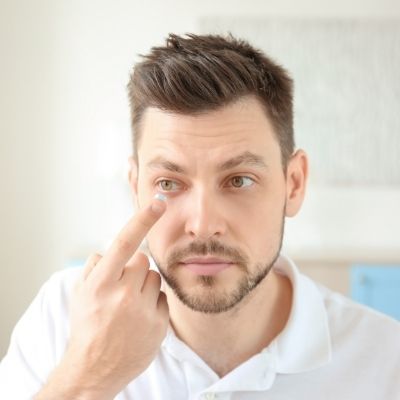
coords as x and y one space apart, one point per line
227 131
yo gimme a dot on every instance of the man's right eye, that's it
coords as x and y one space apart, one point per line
168 185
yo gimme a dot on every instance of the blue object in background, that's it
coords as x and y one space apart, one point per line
75 262
377 287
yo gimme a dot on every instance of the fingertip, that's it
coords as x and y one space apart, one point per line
159 203
161 197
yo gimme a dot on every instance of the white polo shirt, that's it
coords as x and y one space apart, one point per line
330 348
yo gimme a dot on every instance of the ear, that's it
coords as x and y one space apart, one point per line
296 180
133 176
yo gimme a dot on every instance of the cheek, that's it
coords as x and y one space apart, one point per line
261 227
258 213
165 232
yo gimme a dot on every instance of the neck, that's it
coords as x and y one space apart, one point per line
225 340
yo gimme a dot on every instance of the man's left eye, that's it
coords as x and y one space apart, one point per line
241 181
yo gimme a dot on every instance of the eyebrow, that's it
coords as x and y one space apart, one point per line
245 158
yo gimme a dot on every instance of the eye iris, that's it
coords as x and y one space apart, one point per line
237 181
166 185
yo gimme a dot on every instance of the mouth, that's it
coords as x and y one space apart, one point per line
206 265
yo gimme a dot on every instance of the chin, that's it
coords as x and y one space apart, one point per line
210 294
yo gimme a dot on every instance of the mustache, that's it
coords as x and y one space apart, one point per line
209 248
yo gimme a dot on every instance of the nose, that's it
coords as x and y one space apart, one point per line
204 218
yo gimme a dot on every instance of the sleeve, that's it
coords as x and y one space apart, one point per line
37 343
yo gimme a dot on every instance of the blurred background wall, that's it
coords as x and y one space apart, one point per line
65 139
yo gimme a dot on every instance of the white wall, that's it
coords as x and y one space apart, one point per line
64 123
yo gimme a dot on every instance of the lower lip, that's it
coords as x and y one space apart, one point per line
207 269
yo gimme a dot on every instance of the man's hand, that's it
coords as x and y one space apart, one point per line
118 316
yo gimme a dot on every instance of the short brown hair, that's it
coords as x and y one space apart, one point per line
202 73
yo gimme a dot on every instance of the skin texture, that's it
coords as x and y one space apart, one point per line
216 212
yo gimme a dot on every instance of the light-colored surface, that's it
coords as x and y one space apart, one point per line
334 275
353 224
64 132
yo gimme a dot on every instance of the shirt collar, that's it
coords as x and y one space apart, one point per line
303 345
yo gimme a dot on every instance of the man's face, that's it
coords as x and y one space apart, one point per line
226 195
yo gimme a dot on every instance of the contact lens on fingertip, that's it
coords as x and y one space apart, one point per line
156 205
160 196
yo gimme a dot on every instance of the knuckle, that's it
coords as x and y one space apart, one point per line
93 258
90 264
97 257
123 245
142 257
163 304
154 274
162 298
154 277
138 312
144 222
161 321
125 297
96 290
139 259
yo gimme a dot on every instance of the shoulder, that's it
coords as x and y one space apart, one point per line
63 279
39 338
57 289
48 312
353 321
341 306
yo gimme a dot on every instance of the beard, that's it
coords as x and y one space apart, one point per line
211 299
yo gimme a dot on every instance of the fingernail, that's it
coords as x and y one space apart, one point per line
157 206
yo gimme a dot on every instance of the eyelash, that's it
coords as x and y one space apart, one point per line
230 179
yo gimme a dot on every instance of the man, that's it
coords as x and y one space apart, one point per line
214 174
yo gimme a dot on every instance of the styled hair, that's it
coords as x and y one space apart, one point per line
201 73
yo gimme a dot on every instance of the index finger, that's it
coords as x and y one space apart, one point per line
129 238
